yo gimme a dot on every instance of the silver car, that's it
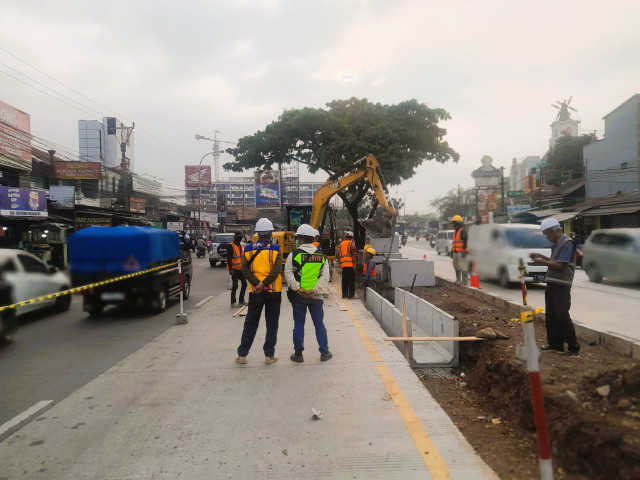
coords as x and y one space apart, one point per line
613 254
218 248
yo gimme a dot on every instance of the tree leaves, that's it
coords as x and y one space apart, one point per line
565 160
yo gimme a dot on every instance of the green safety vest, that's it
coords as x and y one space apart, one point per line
307 267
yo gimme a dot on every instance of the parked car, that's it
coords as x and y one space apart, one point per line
29 277
497 248
444 241
613 254
218 251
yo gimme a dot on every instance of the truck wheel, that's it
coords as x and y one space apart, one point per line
503 278
160 300
213 262
63 303
95 310
186 287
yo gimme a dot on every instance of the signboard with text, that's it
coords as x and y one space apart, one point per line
267 186
23 202
77 170
137 205
84 220
62 196
197 176
15 133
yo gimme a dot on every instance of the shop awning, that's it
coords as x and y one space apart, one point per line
563 216
612 210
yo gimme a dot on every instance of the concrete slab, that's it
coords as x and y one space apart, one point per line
402 273
635 350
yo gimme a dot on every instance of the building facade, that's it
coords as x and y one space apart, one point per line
101 141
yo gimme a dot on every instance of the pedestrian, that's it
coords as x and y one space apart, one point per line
557 294
234 264
369 271
348 257
262 267
307 274
459 251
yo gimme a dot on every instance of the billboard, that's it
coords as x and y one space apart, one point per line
267 186
84 220
23 202
77 170
137 205
197 176
62 196
15 133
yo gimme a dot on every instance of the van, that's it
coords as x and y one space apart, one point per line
497 248
444 241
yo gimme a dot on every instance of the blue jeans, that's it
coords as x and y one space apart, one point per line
300 305
271 303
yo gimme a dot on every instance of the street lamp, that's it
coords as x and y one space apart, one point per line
404 203
199 199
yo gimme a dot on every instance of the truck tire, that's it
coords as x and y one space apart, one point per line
160 300
186 287
213 263
63 303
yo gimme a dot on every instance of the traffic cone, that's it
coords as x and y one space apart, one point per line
474 276
424 257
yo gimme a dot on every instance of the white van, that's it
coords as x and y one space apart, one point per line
444 241
496 249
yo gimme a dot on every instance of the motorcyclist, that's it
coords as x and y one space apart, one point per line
201 248
404 239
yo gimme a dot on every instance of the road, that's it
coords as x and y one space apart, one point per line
55 354
607 306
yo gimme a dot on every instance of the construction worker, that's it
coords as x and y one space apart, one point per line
459 251
307 274
369 271
234 264
262 267
348 259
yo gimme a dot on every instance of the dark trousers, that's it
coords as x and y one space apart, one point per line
271 303
236 275
560 329
348 282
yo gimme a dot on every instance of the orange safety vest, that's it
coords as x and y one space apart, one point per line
458 245
316 244
346 260
364 270
236 260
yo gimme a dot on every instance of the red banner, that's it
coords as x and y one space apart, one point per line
197 176
15 133
137 205
77 170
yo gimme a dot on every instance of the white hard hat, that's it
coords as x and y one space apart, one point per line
306 230
348 234
316 232
264 225
548 223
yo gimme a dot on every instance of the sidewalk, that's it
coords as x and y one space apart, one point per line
180 407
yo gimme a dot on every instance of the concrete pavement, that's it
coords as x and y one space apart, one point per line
180 407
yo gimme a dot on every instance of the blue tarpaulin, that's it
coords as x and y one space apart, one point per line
120 250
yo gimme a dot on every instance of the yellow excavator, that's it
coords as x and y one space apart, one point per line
321 216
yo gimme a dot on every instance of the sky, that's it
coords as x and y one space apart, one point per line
178 69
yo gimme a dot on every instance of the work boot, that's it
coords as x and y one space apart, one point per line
551 348
297 357
326 356
241 360
243 303
270 360
235 305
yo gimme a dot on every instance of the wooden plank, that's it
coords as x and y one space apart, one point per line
404 331
433 339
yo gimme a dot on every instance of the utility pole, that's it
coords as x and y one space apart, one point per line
51 168
540 188
502 190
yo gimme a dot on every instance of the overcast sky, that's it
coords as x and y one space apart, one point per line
178 69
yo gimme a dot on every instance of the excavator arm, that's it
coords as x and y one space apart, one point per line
369 170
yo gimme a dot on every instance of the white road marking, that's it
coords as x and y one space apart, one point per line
24 416
205 301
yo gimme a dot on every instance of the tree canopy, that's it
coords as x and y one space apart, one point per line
565 160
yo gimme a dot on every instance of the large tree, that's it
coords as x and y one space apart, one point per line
564 161
400 136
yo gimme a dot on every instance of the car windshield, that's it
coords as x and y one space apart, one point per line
525 238
223 238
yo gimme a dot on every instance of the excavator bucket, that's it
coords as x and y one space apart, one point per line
377 227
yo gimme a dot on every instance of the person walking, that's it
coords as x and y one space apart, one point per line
307 274
557 294
369 271
348 256
262 267
459 251
234 264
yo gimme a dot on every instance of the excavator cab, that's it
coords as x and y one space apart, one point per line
299 214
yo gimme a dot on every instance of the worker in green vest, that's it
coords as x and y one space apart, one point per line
307 274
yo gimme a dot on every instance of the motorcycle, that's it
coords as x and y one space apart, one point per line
432 241
201 252
404 240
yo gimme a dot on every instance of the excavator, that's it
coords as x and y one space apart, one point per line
322 217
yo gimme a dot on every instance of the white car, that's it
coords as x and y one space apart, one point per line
29 278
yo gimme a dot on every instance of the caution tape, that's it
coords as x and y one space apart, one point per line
85 287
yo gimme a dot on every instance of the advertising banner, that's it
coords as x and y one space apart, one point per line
197 176
23 202
15 133
92 220
267 186
175 226
77 170
137 205
62 196
513 210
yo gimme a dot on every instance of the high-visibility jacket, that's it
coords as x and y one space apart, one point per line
263 263
346 260
458 244
366 265
236 259
307 267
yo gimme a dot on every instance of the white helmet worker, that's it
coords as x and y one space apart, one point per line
264 225
348 234
548 223
306 230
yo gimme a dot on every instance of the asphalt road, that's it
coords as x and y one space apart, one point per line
609 306
55 354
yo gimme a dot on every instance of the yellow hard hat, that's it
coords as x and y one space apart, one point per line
370 250
456 218
366 247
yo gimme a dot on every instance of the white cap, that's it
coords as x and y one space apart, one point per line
548 223
264 225
348 234
306 230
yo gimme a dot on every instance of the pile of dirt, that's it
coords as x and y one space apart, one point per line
592 401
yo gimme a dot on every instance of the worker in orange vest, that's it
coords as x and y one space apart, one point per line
348 259
234 264
369 271
459 251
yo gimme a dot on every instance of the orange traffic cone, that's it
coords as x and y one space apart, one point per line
474 276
